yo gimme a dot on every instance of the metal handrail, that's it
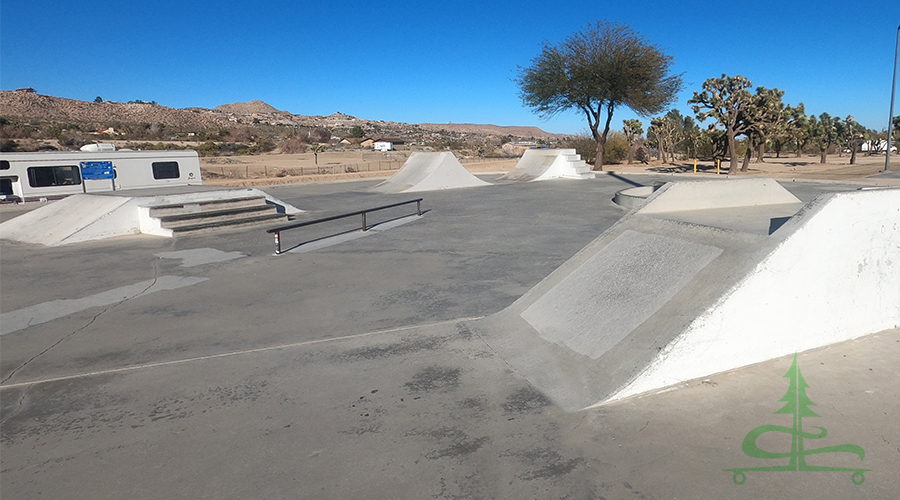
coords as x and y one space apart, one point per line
279 229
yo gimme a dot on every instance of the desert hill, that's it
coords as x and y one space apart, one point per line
28 105
33 106
247 108
500 130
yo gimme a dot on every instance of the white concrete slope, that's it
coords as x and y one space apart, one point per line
834 278
86 217
429 172
544 164
685 287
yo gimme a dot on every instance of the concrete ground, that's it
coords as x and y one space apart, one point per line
206 367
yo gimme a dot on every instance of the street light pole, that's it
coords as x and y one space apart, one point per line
887 158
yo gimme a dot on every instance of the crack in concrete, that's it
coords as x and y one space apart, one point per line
836 410
91 322
18 406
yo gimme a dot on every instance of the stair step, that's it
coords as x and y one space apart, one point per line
177 220
166 210
229 224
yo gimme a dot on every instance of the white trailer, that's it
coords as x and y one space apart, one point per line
56 174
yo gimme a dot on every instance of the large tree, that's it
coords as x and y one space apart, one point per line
725 99
603 67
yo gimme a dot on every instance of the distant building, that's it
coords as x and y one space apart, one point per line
876 145
389 144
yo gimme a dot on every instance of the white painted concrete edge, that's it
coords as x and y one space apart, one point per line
151 225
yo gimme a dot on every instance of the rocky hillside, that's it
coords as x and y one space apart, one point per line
32 106
28 105
500 130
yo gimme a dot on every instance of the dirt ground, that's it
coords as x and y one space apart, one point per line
257 170
838 168
263 169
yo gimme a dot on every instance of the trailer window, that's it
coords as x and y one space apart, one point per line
165 170
6 187
53 176
4 165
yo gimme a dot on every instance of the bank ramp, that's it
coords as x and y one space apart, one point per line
544 164
705 277
425 171
87 217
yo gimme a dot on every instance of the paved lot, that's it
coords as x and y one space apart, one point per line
353 371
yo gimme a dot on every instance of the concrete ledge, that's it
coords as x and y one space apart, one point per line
634 197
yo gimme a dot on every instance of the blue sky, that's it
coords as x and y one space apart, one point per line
432 61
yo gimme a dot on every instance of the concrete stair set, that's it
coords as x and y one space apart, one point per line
545 164
203 216
573 162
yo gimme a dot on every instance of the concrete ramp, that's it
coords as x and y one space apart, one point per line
543 164
673 292
429 172
87 217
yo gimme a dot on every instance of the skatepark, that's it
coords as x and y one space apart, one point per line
522 339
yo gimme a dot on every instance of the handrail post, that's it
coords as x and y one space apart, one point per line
419 207
277 243
364 221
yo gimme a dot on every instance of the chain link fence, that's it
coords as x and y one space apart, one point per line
263 171
384 164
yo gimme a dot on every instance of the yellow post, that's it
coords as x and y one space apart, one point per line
695 166
718 162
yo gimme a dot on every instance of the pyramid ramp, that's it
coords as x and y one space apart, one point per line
429 172
87 217
544 164
683 288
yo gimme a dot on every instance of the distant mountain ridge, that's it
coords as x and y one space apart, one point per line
26 104
491 129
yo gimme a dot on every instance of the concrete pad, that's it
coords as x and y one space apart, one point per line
19 319
544 164
358 373
425 171
200 256
337 239
87 217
